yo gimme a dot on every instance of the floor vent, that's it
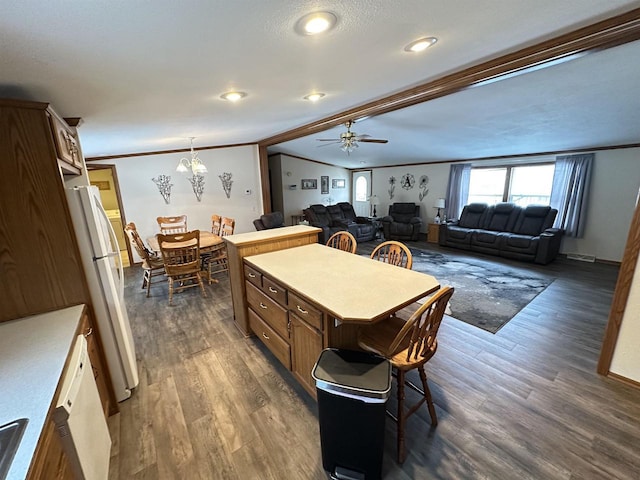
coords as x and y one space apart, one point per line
581 257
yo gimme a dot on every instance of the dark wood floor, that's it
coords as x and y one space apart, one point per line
523 403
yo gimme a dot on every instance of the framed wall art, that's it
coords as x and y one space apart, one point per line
338 183
309 183
324 184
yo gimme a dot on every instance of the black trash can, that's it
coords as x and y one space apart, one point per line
353 388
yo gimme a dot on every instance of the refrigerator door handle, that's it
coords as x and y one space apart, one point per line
114 241
108 255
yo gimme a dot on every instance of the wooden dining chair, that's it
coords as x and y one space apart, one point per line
408 345
181 257
218 261
343 241
227 226
177 224
152 264
216 224
393 252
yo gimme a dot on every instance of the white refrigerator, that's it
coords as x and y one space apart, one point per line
103 268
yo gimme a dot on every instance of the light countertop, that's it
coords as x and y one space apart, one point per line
351 287
33 352
269 234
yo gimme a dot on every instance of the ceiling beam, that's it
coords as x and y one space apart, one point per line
599 36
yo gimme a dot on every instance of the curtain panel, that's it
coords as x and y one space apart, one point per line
570 192
457 189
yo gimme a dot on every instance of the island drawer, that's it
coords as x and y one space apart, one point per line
305 311
253 276
271 339
272 313
275 291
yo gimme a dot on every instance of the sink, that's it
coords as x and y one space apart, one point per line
10 436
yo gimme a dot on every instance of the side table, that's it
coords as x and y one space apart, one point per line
377 224
433 233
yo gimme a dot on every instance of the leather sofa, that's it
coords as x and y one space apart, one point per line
506 230
269 220
403 222
339 217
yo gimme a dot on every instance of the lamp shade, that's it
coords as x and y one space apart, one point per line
439 203
375 200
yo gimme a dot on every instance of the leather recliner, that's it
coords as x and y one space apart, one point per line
269 220
403 222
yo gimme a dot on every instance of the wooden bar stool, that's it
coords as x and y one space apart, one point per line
408 345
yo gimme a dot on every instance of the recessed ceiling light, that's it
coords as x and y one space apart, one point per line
315 23
420 45
314 97
233 96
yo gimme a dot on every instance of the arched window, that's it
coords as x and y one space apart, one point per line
361 189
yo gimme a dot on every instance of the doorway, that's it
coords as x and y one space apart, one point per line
361 193
105 178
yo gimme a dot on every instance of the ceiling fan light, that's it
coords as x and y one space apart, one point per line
420 44
315 23
314 97
233 96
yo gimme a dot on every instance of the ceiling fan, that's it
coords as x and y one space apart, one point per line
349 140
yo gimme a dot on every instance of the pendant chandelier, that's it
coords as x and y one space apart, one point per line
196 166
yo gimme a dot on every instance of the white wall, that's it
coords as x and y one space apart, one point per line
614 188
438 175
626 356
142 202
293 170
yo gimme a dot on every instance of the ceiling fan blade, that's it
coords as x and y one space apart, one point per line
373 140
335 142
328 140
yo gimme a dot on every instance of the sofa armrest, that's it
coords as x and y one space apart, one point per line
387 219
415 220
548 246
363 220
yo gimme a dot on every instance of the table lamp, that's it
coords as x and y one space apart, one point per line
375 201
439 204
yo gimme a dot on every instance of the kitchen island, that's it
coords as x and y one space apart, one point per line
301 300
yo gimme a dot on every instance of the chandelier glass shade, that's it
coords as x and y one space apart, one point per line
194 164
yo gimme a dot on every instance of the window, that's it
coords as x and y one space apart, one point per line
522 184
361 189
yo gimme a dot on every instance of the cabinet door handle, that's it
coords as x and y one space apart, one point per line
265 336
289 325
252 275
301 310
273 290
89 332
263 306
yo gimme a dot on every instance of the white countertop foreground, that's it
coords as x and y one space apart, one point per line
33 351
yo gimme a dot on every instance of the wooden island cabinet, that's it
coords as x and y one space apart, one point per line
252 243
303 299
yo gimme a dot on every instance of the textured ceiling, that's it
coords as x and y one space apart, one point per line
145 75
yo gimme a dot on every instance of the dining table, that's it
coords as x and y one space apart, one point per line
208 242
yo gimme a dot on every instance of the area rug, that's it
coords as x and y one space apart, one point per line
487 294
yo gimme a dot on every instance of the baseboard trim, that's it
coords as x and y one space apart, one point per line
624 380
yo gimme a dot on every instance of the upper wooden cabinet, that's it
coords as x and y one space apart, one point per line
67 146
40 260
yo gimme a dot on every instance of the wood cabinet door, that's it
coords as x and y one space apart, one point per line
306 346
